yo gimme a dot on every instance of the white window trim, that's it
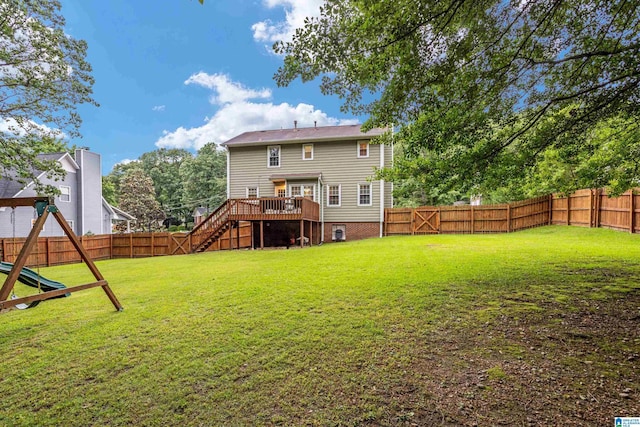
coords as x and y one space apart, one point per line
291 190
370 194
269 147
257 192
307 145
69 193
329 205
358 149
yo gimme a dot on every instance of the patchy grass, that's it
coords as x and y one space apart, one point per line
529 327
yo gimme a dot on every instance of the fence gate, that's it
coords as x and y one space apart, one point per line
426 220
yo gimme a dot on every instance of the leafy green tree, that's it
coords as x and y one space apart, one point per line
480 89
137 197
204 178
163 166
43 78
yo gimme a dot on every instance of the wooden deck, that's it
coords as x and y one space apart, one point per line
274 209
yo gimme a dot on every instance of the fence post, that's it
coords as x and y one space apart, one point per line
591 208
130 245
631 211
473 217
48 254
568 209
509 218
152 249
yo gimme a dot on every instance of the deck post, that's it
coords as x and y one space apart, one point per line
261 234
311 233
238 234
302 233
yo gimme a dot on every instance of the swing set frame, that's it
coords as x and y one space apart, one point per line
45 206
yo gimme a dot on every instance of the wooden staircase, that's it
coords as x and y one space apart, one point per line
210 230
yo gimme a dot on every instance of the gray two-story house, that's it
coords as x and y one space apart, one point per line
332 166
80 200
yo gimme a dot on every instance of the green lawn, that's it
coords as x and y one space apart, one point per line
453 330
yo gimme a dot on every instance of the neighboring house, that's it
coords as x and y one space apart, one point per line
333 166
80 200
199 214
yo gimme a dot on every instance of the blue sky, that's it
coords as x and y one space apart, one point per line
178 74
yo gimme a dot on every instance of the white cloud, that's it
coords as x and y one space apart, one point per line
237 114
227 91
158 108
295 13
235 118
21 128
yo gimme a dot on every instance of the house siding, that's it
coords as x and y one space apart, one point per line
90 215
339 164
24 215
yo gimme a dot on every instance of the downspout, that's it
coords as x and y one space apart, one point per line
321 200
393 154
381 192
228 174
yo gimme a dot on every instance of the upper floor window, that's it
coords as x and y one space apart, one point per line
307 152
363 149
273 156
333 195
252 192
65 193
364 194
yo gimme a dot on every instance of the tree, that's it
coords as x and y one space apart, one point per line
43 78
204 178
163 166
137 197
480 89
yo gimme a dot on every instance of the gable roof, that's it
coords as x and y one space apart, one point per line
10 186
297 135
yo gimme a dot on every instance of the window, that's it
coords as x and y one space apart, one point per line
252 192
307 191
302 191
333 195
65 193
364 194
273 156
363 149
307 152
295 191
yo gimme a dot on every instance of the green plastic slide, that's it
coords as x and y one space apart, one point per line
33 279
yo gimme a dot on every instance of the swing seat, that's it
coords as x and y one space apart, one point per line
24 306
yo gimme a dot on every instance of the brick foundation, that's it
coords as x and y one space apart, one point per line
353 230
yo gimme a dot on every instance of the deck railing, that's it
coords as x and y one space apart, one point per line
274 208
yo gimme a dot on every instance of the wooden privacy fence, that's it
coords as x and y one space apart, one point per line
51 251
468 219
585 208
594 208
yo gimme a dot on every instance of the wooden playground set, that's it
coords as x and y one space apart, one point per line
47 289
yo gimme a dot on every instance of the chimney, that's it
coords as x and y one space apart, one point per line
295 124
315 124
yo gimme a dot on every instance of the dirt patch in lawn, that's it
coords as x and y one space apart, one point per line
566 364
